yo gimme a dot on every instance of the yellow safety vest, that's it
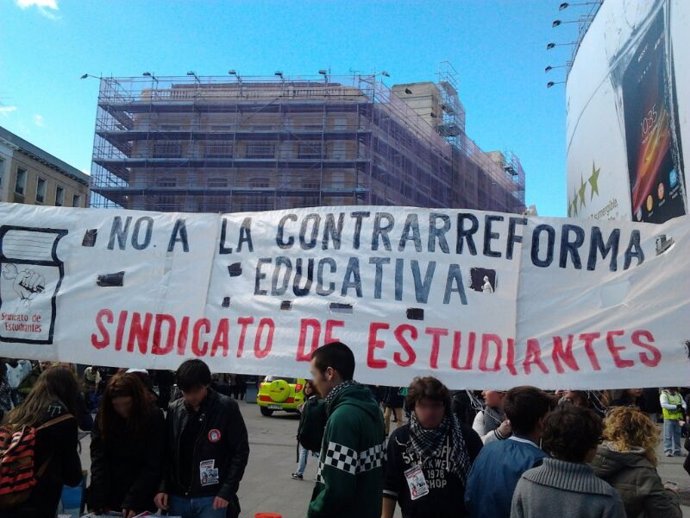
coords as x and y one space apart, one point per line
673 399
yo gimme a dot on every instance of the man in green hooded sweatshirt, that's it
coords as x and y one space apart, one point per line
349 481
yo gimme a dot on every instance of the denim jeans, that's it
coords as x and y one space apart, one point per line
672 436
302 460
201 507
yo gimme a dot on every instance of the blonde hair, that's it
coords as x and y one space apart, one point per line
628 428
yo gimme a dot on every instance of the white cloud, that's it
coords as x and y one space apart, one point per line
46 7
39 121
6 110
41 4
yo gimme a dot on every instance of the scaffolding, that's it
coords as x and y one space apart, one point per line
232 144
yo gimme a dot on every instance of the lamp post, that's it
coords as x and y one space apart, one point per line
565 5
151 75
553 45
550 68
235 73
579 21
279 73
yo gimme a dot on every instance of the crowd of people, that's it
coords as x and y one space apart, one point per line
523 452
182 448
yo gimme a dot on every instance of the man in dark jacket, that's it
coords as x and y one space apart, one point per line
500 464
349 481
207 449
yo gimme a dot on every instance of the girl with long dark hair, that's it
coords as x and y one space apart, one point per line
126 449
50 408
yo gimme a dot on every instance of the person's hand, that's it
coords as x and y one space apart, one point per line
505 429
679 407
161 501
671 486
28 283
220 503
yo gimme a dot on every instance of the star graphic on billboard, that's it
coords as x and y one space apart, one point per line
582 191
579 200
594 181
572 206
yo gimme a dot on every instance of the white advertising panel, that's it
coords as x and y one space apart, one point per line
627 113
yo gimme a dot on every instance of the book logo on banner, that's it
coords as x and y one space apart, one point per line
29 283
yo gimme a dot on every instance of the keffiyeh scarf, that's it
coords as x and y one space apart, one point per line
336 391
428 443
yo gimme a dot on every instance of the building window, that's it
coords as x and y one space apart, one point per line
167 150
166 182
340 123
309 150
20 184
219 149
339 150
257 203
259 183
216 204
261 150
166 202
2 171
311 183
76 200
59 197
40 190
221 128
217 183
310 201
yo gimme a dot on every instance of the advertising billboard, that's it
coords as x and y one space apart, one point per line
627 95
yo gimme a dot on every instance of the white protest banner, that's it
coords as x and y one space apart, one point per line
477 299
603 304
62 267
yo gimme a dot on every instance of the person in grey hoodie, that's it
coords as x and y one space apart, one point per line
627 461
564 485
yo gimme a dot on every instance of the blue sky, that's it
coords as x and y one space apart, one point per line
498 48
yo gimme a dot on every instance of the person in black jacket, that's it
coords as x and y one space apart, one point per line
629 397
164 380
207 449
393 406
429 458
126 449
50 407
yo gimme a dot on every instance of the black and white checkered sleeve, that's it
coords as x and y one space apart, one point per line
341 457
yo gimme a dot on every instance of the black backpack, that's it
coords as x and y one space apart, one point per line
312 424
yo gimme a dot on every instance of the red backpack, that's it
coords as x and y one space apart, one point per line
18 475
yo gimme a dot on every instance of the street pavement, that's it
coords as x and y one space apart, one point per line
267 486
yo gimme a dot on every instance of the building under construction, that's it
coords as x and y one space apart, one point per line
237 144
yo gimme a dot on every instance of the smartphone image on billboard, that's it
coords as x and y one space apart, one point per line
655 166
